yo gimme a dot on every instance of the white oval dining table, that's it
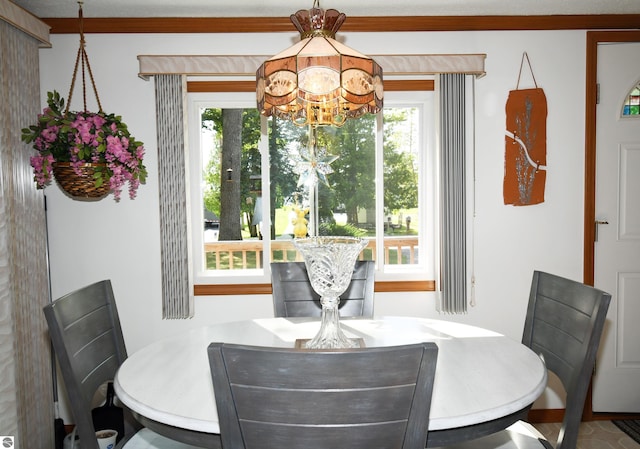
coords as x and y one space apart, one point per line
484 381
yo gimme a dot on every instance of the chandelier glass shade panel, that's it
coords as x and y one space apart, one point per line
319 81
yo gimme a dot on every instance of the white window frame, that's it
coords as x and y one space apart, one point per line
427 195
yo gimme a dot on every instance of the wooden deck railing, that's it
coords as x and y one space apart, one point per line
247 254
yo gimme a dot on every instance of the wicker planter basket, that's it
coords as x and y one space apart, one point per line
83 186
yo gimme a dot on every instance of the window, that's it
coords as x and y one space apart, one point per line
631 106
249 193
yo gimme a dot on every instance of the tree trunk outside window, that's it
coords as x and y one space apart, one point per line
230 224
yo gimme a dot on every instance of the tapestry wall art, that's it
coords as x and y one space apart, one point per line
525 156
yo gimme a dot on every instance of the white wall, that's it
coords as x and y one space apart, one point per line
90 241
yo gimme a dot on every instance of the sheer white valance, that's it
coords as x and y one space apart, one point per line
246 65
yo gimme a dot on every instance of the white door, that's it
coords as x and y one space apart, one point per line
616 385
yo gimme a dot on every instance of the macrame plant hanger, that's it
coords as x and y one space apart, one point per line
82 59
81 185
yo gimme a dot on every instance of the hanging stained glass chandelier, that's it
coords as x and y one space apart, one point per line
319 81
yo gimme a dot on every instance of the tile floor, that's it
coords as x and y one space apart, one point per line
593 435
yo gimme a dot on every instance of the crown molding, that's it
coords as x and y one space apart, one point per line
358 24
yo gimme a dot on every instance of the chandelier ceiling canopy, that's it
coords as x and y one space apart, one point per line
319 81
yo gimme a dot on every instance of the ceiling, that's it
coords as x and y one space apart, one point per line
284 8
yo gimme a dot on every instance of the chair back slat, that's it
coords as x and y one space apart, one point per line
312 399
269 436
293 295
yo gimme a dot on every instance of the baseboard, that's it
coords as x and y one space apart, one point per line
542 415
612 416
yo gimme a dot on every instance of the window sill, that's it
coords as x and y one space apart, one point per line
265 289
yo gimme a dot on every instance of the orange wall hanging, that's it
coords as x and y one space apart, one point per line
525 154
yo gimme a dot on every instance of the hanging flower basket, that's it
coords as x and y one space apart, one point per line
89 153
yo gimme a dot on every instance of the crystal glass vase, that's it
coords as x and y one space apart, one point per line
330 262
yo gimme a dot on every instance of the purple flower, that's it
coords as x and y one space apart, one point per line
84 128
117 148
50 134
41 172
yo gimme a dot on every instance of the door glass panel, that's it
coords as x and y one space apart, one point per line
631 106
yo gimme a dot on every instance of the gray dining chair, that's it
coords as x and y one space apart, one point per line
275 398
564 323
293 295
87 338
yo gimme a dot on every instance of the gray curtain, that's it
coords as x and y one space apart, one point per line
453 229
26 388
177 290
